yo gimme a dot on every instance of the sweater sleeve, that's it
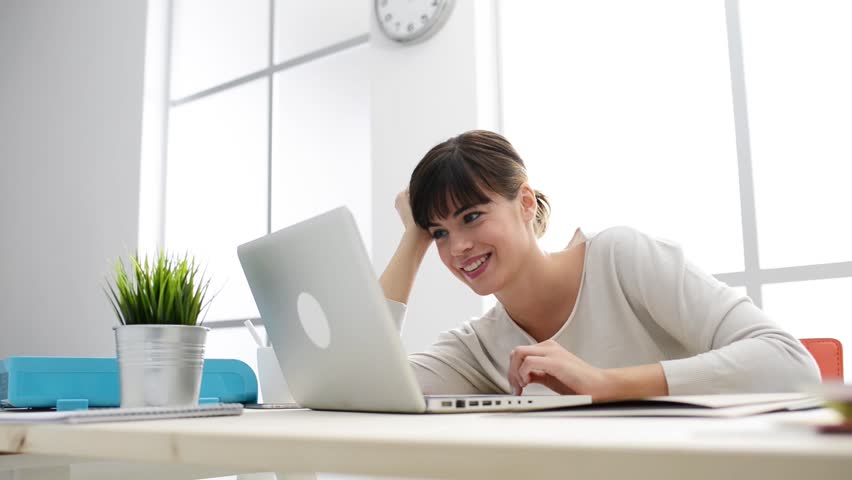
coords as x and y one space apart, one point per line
735 347
449 366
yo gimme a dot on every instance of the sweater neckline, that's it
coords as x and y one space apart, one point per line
529 337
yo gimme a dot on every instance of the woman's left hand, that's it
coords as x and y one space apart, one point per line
549 364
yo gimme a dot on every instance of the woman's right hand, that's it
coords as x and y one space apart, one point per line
403 208
398 277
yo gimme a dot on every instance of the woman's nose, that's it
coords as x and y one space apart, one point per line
459 244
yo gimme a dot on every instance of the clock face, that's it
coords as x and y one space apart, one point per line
410 20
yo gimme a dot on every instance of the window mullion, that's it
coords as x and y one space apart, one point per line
741 131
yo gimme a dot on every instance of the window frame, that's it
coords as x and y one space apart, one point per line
267 73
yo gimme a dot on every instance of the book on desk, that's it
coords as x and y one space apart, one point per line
27 416
720 406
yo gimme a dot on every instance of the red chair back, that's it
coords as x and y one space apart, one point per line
828 353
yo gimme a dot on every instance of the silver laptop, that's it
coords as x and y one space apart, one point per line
328 321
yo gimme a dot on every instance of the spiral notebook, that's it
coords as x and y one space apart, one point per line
119 414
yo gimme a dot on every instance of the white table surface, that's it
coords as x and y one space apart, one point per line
778 446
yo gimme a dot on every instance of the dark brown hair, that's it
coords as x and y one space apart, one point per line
461 170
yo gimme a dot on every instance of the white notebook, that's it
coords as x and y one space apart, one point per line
724 406
119 414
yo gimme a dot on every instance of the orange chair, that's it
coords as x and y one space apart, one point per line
828 354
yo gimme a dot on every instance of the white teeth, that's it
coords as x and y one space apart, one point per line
473 266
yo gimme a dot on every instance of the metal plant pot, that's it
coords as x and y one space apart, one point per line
160 365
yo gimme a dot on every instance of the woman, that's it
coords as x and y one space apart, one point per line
617 316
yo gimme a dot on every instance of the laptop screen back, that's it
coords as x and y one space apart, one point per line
326 317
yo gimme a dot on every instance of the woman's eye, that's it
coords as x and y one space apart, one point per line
471 217
439 234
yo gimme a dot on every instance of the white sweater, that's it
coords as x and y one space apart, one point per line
640 302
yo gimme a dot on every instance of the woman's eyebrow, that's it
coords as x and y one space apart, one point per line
456 214
463 209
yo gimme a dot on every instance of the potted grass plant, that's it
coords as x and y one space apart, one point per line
160 342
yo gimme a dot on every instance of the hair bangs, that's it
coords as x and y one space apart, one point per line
449 183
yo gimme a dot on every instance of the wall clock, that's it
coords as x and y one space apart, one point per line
412 21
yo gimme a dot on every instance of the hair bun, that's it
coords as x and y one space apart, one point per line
542 213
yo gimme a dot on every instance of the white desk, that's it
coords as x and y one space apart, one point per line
460 446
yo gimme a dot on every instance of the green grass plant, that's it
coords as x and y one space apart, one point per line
166 291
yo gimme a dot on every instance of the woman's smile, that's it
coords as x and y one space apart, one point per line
474 267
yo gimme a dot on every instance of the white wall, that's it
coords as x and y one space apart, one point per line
421 95
71 78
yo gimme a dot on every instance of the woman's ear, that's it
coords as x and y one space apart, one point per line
529 204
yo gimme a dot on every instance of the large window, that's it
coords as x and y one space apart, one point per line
625 125
720 124
707 122
257 88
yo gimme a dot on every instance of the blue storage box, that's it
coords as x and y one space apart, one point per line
44 382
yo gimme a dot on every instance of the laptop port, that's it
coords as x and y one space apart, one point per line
529 401
447 404
473 403
486 403
497 402
459 403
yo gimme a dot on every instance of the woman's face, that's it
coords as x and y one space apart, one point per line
485 245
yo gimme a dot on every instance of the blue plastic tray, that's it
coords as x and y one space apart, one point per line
43 382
